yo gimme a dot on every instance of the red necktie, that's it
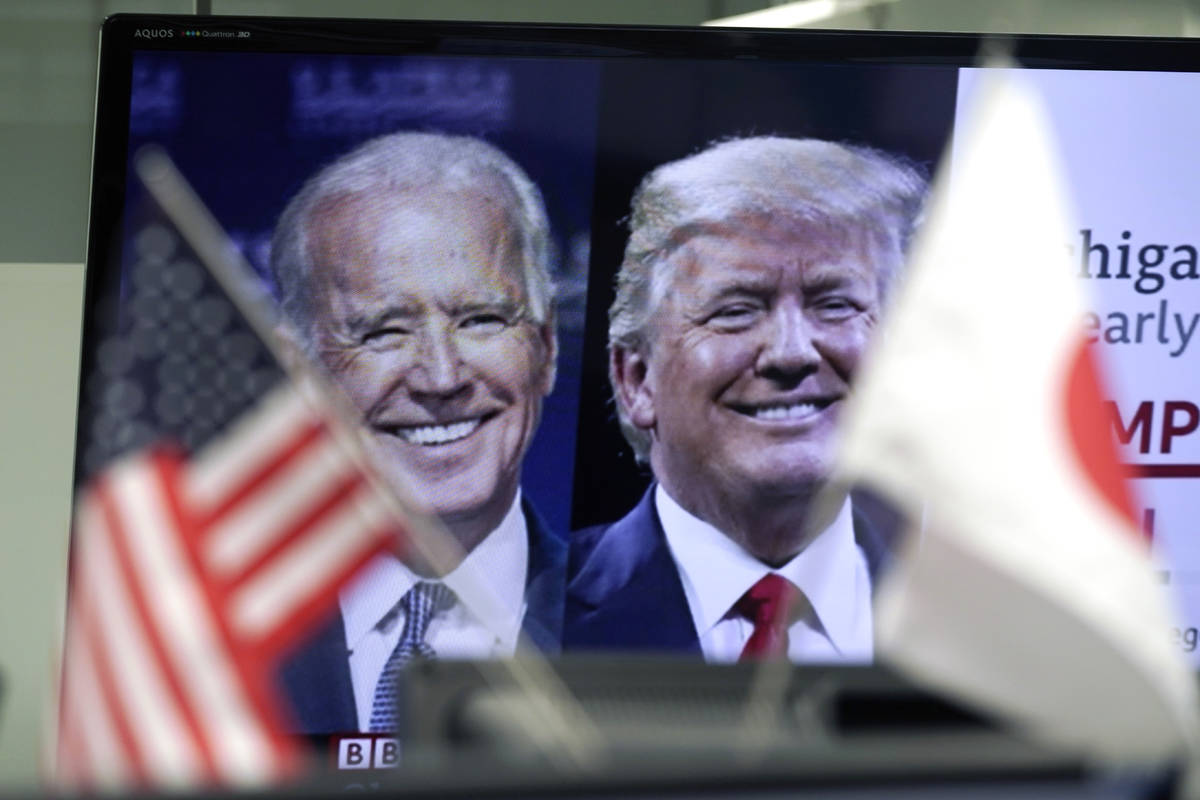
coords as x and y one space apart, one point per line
767 604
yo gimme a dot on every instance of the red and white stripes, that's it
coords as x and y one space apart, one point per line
188 581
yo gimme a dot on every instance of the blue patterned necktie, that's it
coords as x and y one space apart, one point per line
420 605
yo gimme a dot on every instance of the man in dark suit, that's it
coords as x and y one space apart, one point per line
752 280
415 269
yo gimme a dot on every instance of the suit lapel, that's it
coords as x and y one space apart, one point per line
627 594
545 585
877 527
316 681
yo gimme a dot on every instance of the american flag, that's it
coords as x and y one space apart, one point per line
217 516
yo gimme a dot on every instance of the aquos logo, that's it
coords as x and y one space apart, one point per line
153 33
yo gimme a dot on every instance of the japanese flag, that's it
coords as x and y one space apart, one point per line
1026 587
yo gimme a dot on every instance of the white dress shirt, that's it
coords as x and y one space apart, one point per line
495 571
831 572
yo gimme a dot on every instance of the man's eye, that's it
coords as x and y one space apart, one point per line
484 322
734 314
835 308
384 336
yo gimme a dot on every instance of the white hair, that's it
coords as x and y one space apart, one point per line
402 162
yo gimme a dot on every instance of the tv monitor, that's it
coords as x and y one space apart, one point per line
250 109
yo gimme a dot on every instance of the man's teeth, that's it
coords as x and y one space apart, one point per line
439 434
797 411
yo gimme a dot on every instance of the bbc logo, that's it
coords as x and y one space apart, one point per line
368 752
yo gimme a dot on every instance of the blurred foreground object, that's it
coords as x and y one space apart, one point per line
1028 590
220 511
677 727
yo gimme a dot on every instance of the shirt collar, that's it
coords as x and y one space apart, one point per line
716 571
490 581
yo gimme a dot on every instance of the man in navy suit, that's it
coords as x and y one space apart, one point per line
415 269
753 278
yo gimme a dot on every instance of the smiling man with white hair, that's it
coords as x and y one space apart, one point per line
415 269
753 278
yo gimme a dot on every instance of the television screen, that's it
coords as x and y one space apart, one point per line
598 295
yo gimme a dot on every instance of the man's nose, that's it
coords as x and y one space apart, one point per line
788 347
438 367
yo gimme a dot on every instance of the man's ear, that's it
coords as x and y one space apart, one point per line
635 392
547 333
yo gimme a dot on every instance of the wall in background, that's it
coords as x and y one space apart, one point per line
39 366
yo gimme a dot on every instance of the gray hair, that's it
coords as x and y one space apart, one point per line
807 182
402 162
